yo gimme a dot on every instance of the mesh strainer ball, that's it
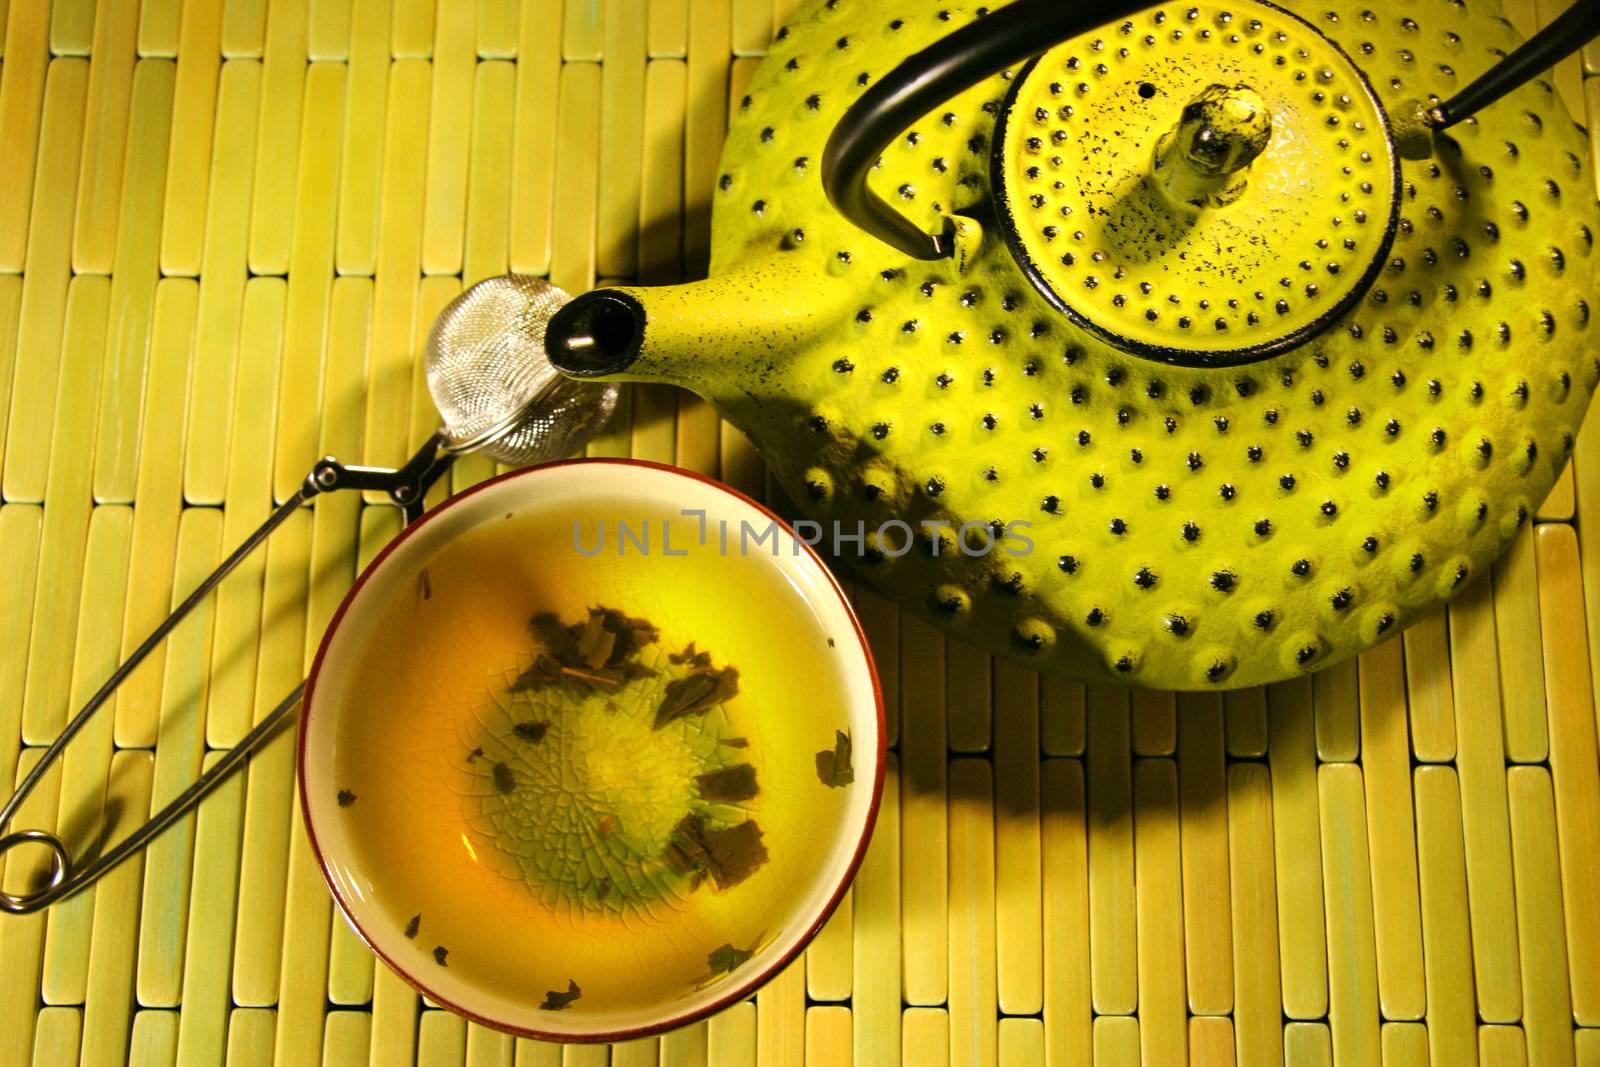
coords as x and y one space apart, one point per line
496 392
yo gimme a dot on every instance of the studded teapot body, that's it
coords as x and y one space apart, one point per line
1263 511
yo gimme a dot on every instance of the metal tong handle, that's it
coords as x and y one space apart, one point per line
406 486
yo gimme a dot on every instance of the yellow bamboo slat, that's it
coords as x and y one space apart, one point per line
660 213
685 1048
361 158
1446 933
56 1036
485 1048
1501 1046
155 1038
1480 763
1430 690
1307 1045
47 693
1163 1015
1257 1014
828 1038
346 1037
1335 709
641 1052
1516 619
203 1023
1546 993
875 926
925 1037
224 258
310 263
498 22
269 798
1386 774
250 1037
1064 843
134 273
390 361
160 28
1109 787
705 124
283 85
752 27
1116 1040
583 31
22 88
968 685
973 1003
1060 716
328 31
1405 1045
248 501
88 761
1291 748
20 530
441 1039
244 29
10 309
622 91
1353 1013
105 125
880 617
572 243
1207 915
731 1036
1018 861
155 521
1247 722
22 937
1211 1041
194 108
1587 1045
780 1018
1558 506
413 29
923 827
489 181
1154 728
534 147
41 318
181 741
828 963
1574 761
394 1019
449 138
667 31
109 994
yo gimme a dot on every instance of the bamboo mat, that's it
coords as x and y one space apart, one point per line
224 230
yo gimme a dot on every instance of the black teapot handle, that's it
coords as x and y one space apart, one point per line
1026 28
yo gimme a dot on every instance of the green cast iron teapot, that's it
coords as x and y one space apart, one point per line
1214 344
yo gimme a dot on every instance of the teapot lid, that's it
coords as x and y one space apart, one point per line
1204 184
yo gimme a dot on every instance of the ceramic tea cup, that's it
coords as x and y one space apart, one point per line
591 750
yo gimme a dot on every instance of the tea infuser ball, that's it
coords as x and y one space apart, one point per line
495 390
496 394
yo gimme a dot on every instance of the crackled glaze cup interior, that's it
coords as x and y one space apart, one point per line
583 788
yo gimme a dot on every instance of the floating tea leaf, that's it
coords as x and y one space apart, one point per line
531 731
736 742
346 798
598 652
439 953
702 689
728 856
413 926
725 959
555 1000
472 757
504 780
833 764
425 584
729 784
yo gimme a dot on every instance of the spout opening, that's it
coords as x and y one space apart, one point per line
596 335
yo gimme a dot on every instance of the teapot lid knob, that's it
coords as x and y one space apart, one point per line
1206 185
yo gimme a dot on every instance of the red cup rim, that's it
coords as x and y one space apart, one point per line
737 991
